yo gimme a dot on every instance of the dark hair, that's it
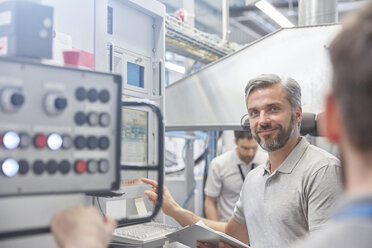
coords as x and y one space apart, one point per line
243 135
351 56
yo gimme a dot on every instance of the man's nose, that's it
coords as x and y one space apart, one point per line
263 119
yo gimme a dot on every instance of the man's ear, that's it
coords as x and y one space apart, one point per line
298 114
331 124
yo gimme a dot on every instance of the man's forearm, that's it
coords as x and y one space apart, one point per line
186 217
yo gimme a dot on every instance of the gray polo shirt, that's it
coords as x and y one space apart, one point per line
284 206
225 181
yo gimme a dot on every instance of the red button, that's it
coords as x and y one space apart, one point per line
40 141
80 166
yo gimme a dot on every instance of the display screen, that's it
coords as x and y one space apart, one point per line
134 140
135 75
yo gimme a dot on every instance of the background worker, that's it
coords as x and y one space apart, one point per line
226 175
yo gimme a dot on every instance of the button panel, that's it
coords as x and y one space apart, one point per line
58 133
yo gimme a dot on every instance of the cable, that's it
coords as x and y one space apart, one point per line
184 149
206 167
190 195
99 205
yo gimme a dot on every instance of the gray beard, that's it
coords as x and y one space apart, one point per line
279 141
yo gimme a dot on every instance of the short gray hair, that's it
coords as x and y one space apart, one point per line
290 85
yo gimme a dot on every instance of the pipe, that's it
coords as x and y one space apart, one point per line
225 20
313 12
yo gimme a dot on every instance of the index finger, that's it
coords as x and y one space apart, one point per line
149 181
223 245
200 244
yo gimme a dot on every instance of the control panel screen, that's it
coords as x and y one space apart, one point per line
134 140
135 75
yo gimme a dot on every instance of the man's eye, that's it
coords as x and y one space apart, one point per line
274 109
253 113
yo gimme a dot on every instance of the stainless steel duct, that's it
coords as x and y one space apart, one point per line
313 12
213 98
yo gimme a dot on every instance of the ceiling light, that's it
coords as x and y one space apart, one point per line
174 67
272 12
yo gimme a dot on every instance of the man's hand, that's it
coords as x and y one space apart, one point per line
82 227
169 205
206 245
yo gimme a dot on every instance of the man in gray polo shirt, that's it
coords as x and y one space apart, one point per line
288 197
299 183
226 175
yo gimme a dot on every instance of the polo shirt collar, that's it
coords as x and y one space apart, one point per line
292 159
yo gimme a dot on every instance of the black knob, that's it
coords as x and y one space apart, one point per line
103 143
80 118
80 142
104 96
23 167
64 166
38 167
92 95
60 103
11 99
17 99
54 103
52 166
80 94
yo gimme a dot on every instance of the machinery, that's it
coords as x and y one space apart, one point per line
96 129
58 125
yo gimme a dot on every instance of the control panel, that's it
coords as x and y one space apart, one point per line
59 129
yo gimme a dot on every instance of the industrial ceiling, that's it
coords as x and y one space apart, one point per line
246 23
